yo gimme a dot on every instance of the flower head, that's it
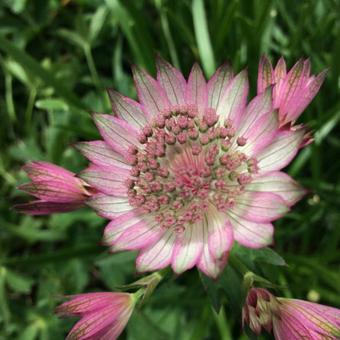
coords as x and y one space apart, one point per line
191 168
290 318
57 189
103 315
292 91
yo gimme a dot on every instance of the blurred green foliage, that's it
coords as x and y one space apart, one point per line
57 57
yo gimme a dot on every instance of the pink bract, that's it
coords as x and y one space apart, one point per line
192 167
290 318
293 90
103 315
57 189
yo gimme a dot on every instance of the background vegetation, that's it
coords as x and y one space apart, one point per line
57 57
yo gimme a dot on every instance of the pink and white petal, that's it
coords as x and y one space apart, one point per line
108 181
84 303
117 133
260 206
127 109
265 76
208 264
172 82
259 106
92 323
196 90
261 134
277 183
188 248
281 151
109 206
251 234
119 225
318 318
217 85
150 93
280 73
234 100
101 154
306 95
287 328
158 255
118 326
38 170
45 208
138 236
220 239
291 84
54 190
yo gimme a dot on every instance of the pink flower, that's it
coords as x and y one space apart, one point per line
57 189
292 91
191 168
290 319
103 315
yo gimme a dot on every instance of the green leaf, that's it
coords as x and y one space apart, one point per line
213 291
51 104
32 66
264 255
202 37
18 282
97 23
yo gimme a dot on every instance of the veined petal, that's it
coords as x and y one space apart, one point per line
260 206
127 109
117 133
220 238
280 73
54 190
318 319
196 91
261 134
109 181
281 151
277 183
150 93
306 95
208 264
233 102
259 106
109 206
172 82
39 170
138 236
251 234
44 208
217 85
118 225
265 76
84 303
92 323
101 154
188 248
158 255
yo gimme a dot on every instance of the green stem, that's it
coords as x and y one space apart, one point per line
237 264
29 108
94 74
222 324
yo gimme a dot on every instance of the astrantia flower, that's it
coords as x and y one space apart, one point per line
290 318
293 91
191 168
57 189
103 315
